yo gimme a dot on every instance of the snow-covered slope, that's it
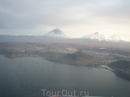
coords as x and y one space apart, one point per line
105 37
56 33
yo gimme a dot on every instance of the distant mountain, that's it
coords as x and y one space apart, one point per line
56 33
104 37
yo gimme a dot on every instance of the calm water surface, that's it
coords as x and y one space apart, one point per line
25 77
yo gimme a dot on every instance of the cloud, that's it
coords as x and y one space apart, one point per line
24 16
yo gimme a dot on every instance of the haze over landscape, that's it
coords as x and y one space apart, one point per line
58 45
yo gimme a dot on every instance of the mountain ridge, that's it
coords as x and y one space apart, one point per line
104 37
58 34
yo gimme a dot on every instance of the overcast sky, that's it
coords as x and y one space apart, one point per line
74 17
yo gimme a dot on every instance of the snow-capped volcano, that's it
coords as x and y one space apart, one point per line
56 33
104 37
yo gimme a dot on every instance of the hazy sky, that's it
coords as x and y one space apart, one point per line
74 17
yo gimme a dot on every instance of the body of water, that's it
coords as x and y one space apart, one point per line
25 77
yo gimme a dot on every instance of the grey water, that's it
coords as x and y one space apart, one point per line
25 77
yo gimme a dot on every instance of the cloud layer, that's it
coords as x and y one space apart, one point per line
76 17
